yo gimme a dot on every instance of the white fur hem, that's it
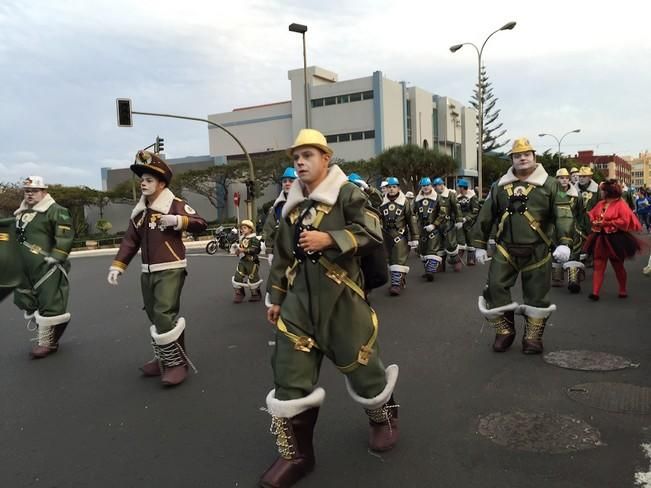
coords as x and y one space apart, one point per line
453 253
237 284
267 300
50 321
431 256
256 285
556 265
536 312
493 313
573 264
399 267
27 315
169 336
292 408
382 397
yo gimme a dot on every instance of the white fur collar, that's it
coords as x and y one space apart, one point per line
281 198
40 207
538 177
445 193
592 187
469 194
162 204
571 191
327 192
400 199
421 195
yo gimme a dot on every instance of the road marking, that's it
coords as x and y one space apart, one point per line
643 478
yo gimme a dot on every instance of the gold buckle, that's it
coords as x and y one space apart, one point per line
33 248
336 277
4 237
304 344
364 355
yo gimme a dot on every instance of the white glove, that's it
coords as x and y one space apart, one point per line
413 244
481 256
50 260
429 227
562 253
270 258
168 221
458 225
113 276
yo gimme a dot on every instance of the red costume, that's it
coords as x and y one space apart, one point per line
612 223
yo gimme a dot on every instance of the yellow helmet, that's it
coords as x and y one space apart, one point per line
310 137
585 171
521 145
574 170
247 223
562 172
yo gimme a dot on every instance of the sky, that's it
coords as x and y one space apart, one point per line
566 65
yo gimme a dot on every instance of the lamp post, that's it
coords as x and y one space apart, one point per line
480 96
543 134
302 29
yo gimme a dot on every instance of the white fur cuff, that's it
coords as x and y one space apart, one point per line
493 313
170 336
49 321
237 284
292 408
27 315
536 312
382 397
399 267
573 264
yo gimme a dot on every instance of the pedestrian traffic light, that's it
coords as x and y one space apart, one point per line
159 146
250 190
124 112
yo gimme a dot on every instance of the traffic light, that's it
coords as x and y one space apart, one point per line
124 112
159 146
250 190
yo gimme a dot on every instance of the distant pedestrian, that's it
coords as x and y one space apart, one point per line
643 208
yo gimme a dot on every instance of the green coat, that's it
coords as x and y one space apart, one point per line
270 227
590 194
399 227
426 212
9 264
247 271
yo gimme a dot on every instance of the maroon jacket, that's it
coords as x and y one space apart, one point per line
161 249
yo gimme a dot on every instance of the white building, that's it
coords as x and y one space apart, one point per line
360 119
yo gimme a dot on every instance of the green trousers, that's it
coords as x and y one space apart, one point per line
50 298
398 252
247 273
161 292
296 373
535 272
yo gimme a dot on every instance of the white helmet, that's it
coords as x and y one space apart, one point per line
34 182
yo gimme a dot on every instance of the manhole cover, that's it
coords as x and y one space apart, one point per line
588 360
539 432
613 397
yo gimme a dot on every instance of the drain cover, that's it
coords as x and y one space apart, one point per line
613 397
588 360
539 432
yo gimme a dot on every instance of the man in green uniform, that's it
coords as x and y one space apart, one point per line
273 216
527 206
400 231
451 220
589 191
574 267
9 264
44 235
247 274
469 205
425 210
374 195
316 301
155 228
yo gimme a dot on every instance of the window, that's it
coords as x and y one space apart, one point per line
355 97
344 137
330 100
342 99
317 102
331 138
357 136
369 134
367 95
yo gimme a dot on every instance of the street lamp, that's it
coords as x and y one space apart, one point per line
302 29
543 134
480 96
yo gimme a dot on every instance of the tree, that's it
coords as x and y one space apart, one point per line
11 194
409 163
492 130
493 167
75 198
369 170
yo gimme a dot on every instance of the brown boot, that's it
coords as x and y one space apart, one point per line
535 321
504 331
238 295
152 368
256 296
294 441
169 347
383 434
50 330
575 275
471 261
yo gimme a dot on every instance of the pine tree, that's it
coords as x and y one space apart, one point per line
492 130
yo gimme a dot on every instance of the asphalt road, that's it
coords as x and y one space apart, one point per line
86 418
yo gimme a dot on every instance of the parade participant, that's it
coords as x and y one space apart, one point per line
247 272
574 175
384 187
155 228
574 267
400 233
9 264
410 199
426 213
318 307
451 220
589 191
611 239
373 194
44 236
527 206
643 208
469 205
273 216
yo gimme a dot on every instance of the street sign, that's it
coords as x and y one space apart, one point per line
124 112
236 199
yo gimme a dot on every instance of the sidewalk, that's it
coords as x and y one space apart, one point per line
114 250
